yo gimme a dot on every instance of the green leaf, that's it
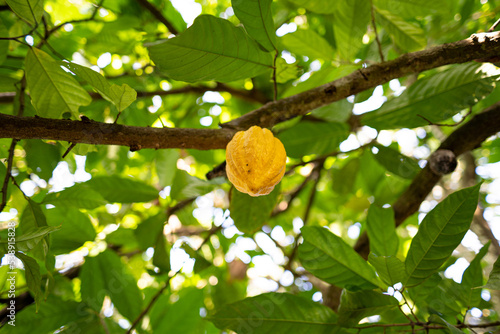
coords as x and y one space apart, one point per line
52 315
42 158
33 277
339 111
329 258
147 232
30 11
436 98
4 44
317 6
250 213
494 279
76 229
121 96
161 257
117 189
435 319
397 163
351 19
390 269
257 17
186 186
166 166
306 42
211 49
105 274
355 306
471 279
343 179
184 315
33 218
381 229
412 8
81 195
439 234
286 72
275 313
30 239
407 36
313 138
52 90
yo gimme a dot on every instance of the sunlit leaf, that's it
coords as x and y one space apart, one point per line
494 278
390 269
351 19
317 6
4 44
33 277
313 138
52 90
435 319
30 11
257 18
411 8
439 234
211 49
307 42
276 313
328 257
115 189
472 278
250 213
435 98
286 72
30 239
397 163
80 195
355 306
407 36
381 227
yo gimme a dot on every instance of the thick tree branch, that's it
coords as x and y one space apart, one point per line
97 133
478 46
464 139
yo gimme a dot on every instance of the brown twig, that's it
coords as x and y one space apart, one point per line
451 125
8 174
158 15
494 26
379 45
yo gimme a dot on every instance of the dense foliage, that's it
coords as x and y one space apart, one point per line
117 214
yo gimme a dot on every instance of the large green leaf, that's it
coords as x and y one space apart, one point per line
275 313
76 229
29 10
412 8
313 138
250 213
439 234
30 239
184 315
436 98
328 257
351 19
307 42
41 157
472 278
117 189
80 196
211 49
435 319
105 274
381 230
148 231
54 313
33 218
257 18
407 36
121 96
355 306
390 269
52 90
187 186
494 279
397 163
166 166
343 179
317 6
33 277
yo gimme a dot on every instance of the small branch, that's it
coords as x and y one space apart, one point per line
379 45
158 15
8 174
494 26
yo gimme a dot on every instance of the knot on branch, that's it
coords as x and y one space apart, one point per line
442 162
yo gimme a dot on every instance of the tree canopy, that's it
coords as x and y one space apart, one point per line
117 215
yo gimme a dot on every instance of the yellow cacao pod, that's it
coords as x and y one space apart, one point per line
255 161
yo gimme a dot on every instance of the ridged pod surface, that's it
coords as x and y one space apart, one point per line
255 161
